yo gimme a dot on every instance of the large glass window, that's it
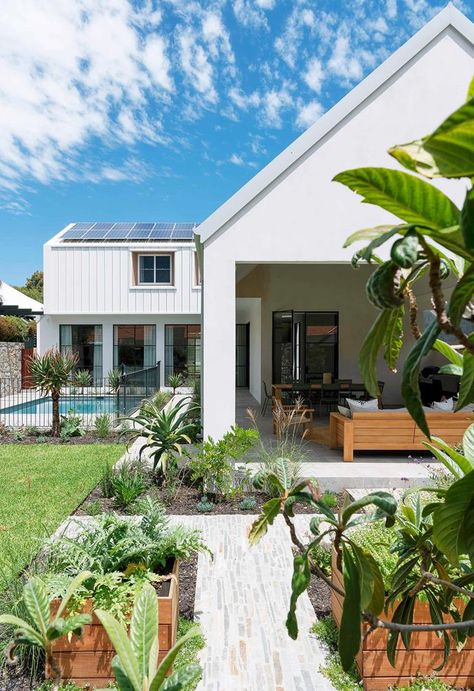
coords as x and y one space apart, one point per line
85 341
134 346
305 346
183 350
242 355
155 268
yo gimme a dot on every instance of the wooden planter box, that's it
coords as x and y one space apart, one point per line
87 660
426 652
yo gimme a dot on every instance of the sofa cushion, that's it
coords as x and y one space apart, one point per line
369 406
344 411
445 406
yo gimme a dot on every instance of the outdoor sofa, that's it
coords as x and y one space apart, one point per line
386 430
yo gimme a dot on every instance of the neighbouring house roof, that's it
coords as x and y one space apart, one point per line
14 302
98 231
449 17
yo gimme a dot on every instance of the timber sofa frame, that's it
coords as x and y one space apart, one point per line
397 431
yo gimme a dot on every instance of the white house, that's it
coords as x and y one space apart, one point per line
272 256
124 295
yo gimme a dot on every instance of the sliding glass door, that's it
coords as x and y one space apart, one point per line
85 341
134 346
305 346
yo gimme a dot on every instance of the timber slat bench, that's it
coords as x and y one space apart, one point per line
392 431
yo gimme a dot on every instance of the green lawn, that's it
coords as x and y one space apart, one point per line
39 487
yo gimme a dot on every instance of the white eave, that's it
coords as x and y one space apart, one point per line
449 17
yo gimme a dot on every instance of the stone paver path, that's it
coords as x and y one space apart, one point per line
242 599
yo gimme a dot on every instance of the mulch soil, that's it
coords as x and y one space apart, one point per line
87 438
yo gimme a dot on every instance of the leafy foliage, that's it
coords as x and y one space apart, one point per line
165 430
127 484
43 626
136 663
71 425
431 224
212 467
50 372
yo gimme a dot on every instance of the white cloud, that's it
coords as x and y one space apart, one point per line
314 75
391 8
274 102
251 13
157 62
196 65
237 160
308 114
244 101
343 61
301 19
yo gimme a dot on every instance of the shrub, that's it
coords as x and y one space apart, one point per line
212 467
329 498
71 425
13 329
127 485
114 378
82 378
175 381
105 482
103 425
93 508
248 504
205 505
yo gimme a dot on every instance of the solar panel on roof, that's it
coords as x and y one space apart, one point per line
183 234
103 226
144 226
83 225
118 233
73 234
157 234
96 234
164 226
138 234
123 226
184 226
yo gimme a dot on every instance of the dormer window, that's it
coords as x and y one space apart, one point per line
155 269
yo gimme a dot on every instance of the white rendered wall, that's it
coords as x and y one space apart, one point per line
305 217
248 311
98 279
48 331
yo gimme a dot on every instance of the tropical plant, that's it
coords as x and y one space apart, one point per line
127 484
103 425
175 381
50 372
212 467
431 226
46 624
71 425
135 665
158 400
114 378
111 543
82 378
165 431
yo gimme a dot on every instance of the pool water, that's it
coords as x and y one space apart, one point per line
81 405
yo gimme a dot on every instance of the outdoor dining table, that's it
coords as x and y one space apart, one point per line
278 389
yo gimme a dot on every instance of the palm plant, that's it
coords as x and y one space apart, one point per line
165 431
45 626
49 373
114 377
135 665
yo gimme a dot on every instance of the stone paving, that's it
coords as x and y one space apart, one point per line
242 598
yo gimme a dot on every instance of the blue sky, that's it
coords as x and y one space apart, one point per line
160 110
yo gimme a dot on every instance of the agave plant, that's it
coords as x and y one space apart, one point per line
175 381
165 431
49 373
114 377
82 378
135 665
45 627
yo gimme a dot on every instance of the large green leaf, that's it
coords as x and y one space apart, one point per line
403 614
451 369
372 590
144 627
11 620
411 369
384 501
449 457
461 295
406 196
453 520
466 385
168 660
182 678
447 152
299 582
350 629
369 351
123 648
450 353
374 234
72 588
467 219
393 340
270 511
468 443
36 600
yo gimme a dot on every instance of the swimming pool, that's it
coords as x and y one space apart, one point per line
81 405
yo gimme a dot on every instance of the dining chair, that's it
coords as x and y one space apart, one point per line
267 398
329 396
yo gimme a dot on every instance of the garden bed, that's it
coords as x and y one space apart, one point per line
87 660
423 657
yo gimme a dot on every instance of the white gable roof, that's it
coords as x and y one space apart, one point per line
10 296
449 17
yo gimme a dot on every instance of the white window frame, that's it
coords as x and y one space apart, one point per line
154 255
